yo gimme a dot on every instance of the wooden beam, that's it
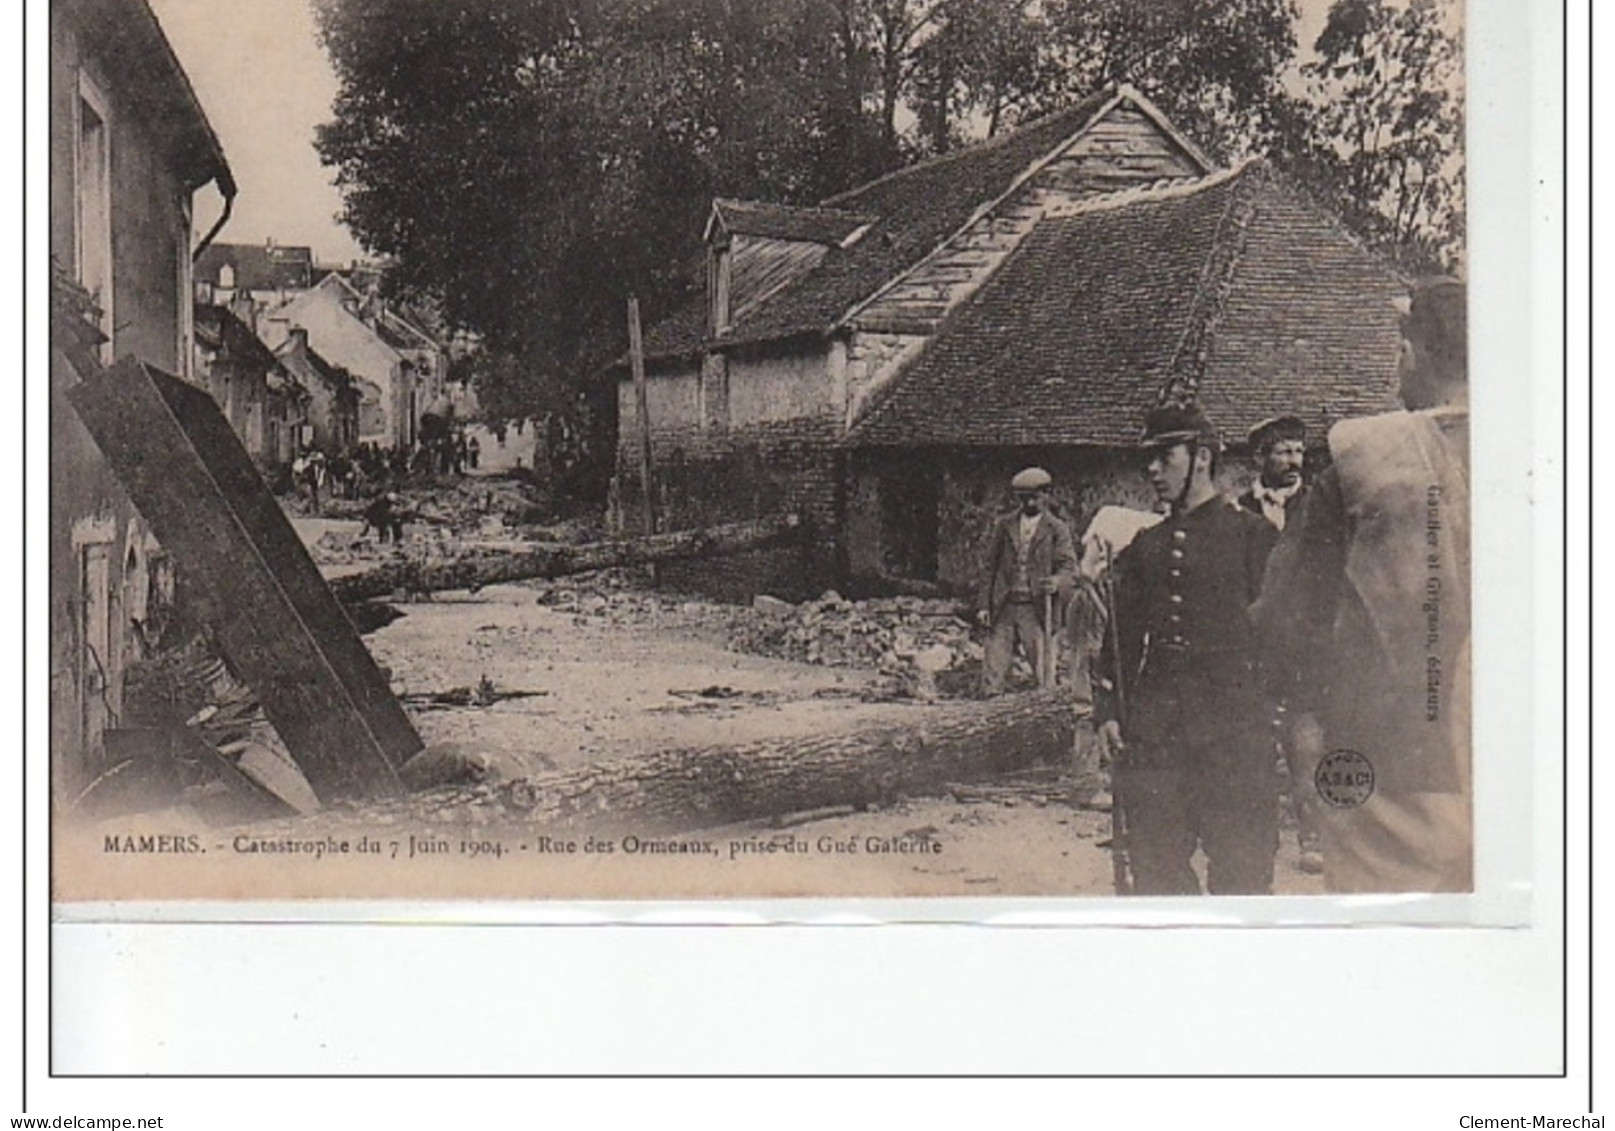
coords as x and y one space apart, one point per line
702 787
561 559
275 620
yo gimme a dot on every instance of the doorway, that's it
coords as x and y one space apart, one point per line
911 502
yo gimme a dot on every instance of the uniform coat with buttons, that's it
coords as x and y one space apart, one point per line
1199 759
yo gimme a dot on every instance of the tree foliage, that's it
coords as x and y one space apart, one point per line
528 164
1216 67
1387 126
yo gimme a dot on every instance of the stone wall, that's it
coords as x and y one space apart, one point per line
973 491
872 360
772 452
778 389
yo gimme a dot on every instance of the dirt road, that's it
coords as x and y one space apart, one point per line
618 671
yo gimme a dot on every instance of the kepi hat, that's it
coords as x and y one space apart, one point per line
1178 424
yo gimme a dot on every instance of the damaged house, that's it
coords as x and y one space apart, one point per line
129 145
883 363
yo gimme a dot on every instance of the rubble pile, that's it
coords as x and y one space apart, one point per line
467 505
336 547
435 531
897 636
482 505
618 597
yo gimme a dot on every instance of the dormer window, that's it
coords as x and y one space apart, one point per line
720 275
756 250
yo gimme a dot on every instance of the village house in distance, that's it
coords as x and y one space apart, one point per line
398 369
265 403
883 363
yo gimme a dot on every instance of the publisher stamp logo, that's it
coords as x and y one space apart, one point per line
1344 779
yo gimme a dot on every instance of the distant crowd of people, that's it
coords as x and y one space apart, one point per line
370 468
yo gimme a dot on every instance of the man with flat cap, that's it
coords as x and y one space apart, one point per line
1031 564
1280 447
1185 712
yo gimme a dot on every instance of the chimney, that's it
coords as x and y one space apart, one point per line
299 339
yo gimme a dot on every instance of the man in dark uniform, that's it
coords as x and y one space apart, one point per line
1195 750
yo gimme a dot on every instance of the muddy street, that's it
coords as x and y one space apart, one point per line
601 668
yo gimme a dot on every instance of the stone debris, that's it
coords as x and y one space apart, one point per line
446 520
445 764
619 597
923 644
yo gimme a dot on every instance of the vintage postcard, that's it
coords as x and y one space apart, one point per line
547 451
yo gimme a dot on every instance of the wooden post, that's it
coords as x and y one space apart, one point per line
636 361
1047 669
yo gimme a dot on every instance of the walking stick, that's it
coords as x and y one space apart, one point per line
1120 863
1046 673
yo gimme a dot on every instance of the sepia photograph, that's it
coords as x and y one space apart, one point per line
541 450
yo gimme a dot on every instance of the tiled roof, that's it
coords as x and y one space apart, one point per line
333 375
1310 327
258 267
134 50
220 329
1229 283
828 226
918 208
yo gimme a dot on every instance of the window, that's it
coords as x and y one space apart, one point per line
92 205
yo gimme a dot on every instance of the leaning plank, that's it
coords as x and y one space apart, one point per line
700 787
474 570
275 620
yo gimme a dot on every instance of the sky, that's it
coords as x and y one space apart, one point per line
265 84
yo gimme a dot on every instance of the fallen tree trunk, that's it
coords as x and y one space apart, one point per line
701 787
554 559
